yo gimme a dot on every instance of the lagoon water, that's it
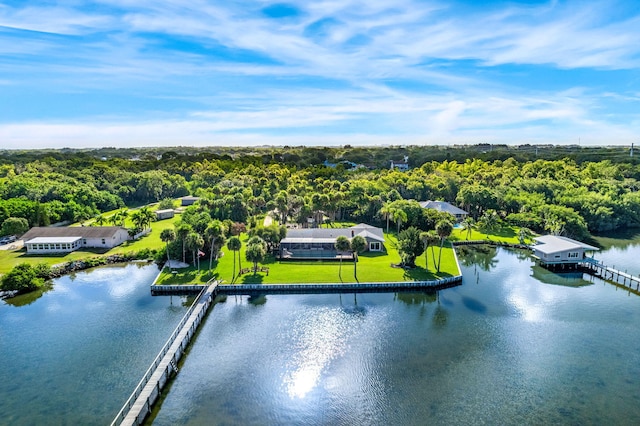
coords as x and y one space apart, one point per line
74 354
514 344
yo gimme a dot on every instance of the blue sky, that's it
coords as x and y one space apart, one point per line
171 72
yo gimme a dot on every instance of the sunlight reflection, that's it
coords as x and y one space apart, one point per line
321 336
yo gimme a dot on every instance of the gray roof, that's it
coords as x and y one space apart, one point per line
442 206
549 244
72 231
330 234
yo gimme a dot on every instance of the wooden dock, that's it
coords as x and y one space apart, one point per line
600 270
139 404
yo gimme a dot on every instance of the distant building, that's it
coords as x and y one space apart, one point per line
556 250
164 214
402 166
188 200
443 206
43 240
319 243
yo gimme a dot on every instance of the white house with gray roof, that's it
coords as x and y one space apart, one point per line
443 206
42 240
557 250
319 243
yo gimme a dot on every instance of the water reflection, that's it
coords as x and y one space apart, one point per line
28 298
483 256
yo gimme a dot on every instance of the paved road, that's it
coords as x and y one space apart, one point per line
16 245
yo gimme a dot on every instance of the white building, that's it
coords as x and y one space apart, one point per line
556 250
443 206
42 240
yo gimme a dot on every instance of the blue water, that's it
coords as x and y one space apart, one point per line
514 344
74 355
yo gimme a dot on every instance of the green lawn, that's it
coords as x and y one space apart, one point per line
9 259
372 267
507 234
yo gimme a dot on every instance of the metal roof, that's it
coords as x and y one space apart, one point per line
53 240
550 244
329 235
442 206
72 231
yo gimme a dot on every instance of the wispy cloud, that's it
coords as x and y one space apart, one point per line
423 70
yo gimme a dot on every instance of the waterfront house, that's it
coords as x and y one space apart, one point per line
557 250
42 240
319 243
164 214
443 206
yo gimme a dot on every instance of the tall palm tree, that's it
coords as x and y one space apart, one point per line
115 218
214 231
342 244
234 244
137 219
194 242
168 235
124 213
444 229
387 211
468 224
181 232
147 216
358 244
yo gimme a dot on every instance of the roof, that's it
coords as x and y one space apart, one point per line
549 244
189 197
442 206
55 240
329 235
164 211
72 231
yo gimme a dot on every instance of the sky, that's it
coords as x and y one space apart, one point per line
124 73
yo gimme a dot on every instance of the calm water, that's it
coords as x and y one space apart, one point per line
74 355
514 344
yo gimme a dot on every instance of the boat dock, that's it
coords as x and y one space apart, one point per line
600 270
139 404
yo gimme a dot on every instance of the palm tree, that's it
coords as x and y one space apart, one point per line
194 242
168 235
147 216
255 252
358 244
524 235
181 232
137 219
234 244
468 224
342 244
399 216
114 218
124 213
99 220
213 232
387 211
444 229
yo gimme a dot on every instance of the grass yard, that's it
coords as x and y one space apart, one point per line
507 234
372 267
9 259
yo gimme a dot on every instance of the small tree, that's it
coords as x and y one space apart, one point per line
168 235
410 245
468 224
444 229
358 244
22 278
342 245
256 251
15 226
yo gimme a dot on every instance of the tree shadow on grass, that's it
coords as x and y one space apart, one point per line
251 279
420 274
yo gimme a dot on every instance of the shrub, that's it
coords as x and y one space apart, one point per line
22 278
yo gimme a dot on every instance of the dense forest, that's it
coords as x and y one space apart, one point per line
563 190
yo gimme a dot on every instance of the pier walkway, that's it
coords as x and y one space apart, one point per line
139 404
599 269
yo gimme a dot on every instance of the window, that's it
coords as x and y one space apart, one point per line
103 241
374 246
573 255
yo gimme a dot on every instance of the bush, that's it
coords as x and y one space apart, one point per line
22 278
